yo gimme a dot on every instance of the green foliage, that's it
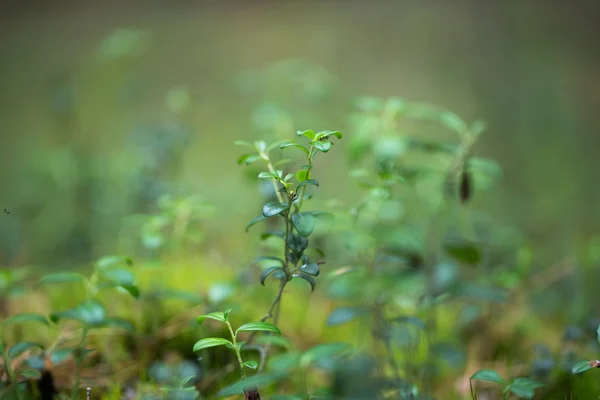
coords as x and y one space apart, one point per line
520 386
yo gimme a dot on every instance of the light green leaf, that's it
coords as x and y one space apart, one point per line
292 144
258 326
525 387
309 134
217 316
488 375
251 364
211 342
323 146
582 366
267 175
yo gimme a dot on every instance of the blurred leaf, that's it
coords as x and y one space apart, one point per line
220 291
488 375
118 323
304 223
267 175
26 317
323 146
464 251
301 175
310 269
308 279
525 387
478 292
272 258
254 222
273 208
247 159
217 316
211 342
582 366
322 351
242 143
598 335
119 276
30 374
62 277
60 355
251 364
20 347
267 272
453 122
257 381
111 261
258 326
279 341
342 315
417 322
226 314
450 353
283 362
477 127
90 313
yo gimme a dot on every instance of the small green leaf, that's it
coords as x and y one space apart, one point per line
60 355
582 366
308 279
132 290
111 261
91 313
267 175
217 316
258 326
247 159
342 315
301 175
26 317
241 344
464 251
327 134
254 222
309 134
291 144
310 269
267 272
453 122
417 322
251 364
211 342
323 146
273 208
525 387
488 375
20 347
304 223
307 182
226 314
242 143
62 277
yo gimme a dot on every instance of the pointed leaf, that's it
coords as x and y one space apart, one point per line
254 222
211 342
273 208
308 133
267 272
291 144
308 279
226 314
582 366
258 326
20 347
251 364
488 375
307 182
310 269
247 159
323 146
304 223
26 317
217 316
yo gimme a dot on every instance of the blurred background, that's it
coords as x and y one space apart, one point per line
105 106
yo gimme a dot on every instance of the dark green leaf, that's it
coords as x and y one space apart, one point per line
132 290
582 366
478 292
488 375
274 208
291 144
258 326
308 279
342 315
304 223
297 243
90 313
326 134
254 222
20 347
251 364
62 277
25 317
463 251
217 316
211 342
307 182
323 146
258 381
525 387
310 269
309 134
267 272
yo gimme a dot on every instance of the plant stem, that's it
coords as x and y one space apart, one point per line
274 181
10 371
78 364
310 156
237 351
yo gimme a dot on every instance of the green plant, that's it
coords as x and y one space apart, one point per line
584 365
110 272
521 387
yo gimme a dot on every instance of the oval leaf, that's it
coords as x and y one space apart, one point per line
304 223
308 133
323 146
273 208
26 317
254 222
582 366
311 269
217 316
258 326
268 272
272 258
488 375
211 342
306 182
251 364
308 279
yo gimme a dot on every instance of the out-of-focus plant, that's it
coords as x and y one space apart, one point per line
522 387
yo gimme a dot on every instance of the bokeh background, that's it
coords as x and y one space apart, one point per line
105 105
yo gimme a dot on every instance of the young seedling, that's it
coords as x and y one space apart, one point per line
522 387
